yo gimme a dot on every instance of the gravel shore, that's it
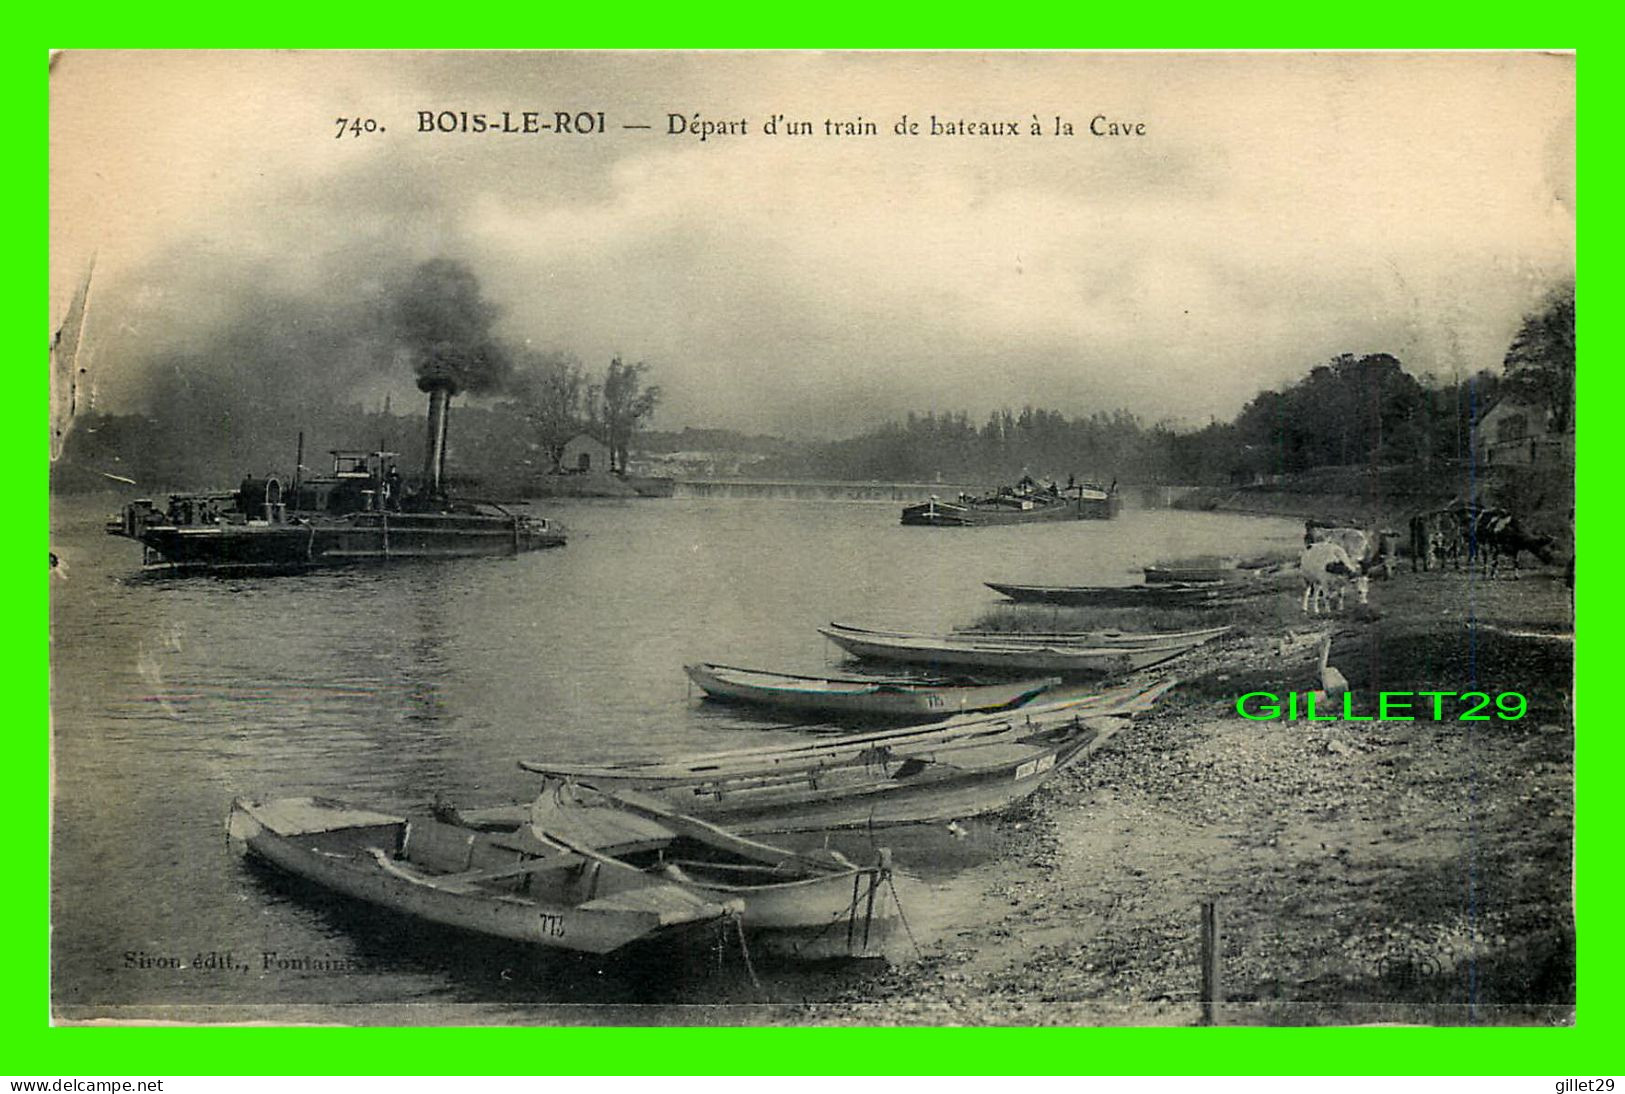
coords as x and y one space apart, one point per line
1363 871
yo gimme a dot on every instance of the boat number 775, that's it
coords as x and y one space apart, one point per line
552 925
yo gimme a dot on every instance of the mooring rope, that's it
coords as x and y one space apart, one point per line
750 967
847 914
902 915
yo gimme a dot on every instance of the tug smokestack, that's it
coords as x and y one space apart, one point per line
445 435
434 459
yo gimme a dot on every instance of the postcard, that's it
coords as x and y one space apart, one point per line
812 538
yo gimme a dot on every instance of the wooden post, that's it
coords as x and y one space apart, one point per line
1212 992
298 468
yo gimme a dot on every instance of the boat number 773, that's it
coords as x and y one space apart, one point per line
552 925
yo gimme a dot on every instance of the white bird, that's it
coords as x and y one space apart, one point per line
1332 682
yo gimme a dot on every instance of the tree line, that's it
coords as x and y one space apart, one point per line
205 426
1353 409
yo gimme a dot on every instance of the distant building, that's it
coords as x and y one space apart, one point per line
583 453
1512 432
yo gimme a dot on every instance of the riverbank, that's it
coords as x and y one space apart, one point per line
1364 871
595 485
1364 496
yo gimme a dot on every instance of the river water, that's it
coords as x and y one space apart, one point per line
387 685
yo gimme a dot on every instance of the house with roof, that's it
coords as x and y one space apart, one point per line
1517 433
583 453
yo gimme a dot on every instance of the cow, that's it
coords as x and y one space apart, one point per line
1496 533
1357 544
1328 571
1436 537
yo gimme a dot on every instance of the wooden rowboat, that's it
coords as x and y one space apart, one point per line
582 870
858 748
865 696
1065 658
1187 575
491 885
948 783
987 765
1195 571
816 904
1103 639
1169 594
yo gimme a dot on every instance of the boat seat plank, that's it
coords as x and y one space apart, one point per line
302 816
992 755
443 848
597 827
654 898
469 880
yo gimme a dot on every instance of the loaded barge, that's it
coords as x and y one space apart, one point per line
1027 504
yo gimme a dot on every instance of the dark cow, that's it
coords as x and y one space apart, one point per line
1430 534
1440 536
1497 534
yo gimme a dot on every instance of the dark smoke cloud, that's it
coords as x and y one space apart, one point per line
445 323
237 355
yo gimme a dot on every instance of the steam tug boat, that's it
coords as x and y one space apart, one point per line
361 512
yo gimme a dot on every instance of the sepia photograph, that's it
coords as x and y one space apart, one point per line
812 538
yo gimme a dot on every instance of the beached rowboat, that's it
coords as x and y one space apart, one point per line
857 748
869 780
562 877
1065 657
863 696
439 873
1102 639
1170 594
948 783
1186 575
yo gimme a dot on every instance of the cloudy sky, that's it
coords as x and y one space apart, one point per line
1278 209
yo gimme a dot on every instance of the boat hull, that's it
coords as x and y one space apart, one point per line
361 537
1010 657
812 905
945 514
1088 639
849 914
918 788
339 856
1185 575
1170 594
895 700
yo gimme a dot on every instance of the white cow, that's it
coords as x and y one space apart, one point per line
1329 571
1356 543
